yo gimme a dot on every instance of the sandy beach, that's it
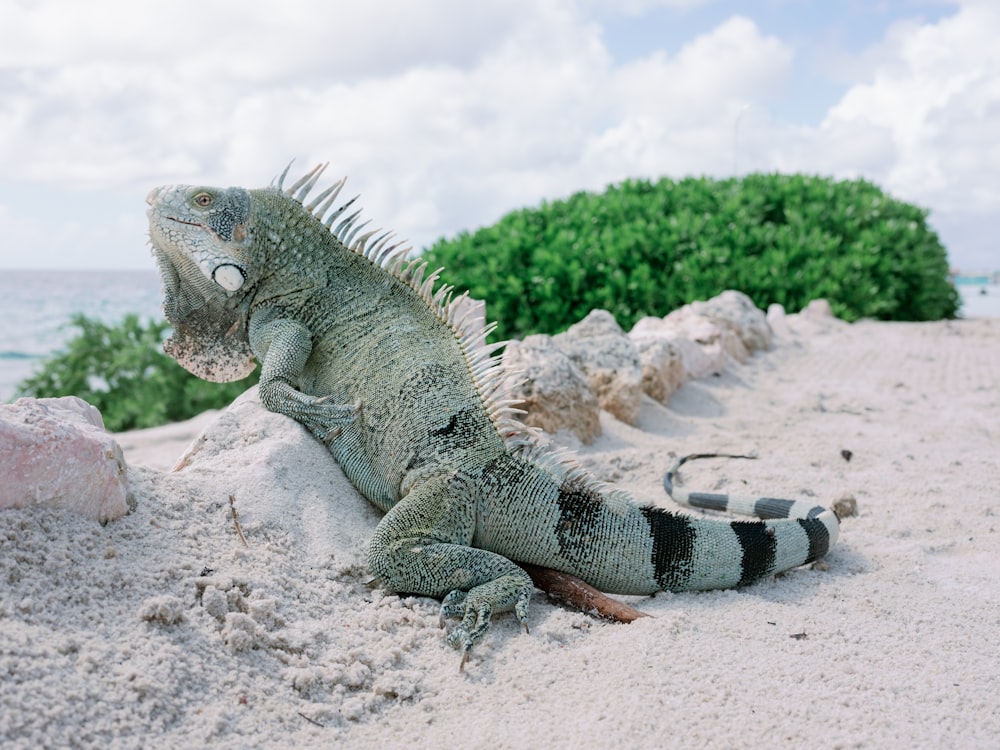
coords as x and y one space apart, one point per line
165 629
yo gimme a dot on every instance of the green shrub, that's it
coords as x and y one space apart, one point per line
123 371
646 248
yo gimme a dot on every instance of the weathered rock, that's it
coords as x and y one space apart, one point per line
698 361
555 392
55 452
609 360
777 318
737 312
712 335
814 318
818 309
662 361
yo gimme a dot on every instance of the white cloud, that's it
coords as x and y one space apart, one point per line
447 114
937 95
212 43
677 115
640 7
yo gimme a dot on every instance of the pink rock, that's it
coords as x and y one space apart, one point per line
55 452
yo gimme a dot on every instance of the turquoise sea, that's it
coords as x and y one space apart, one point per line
35 308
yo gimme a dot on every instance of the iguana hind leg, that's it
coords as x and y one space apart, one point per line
421 547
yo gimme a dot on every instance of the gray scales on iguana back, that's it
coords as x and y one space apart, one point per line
374 357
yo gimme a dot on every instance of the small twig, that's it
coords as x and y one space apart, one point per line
236 521
311 721
571 590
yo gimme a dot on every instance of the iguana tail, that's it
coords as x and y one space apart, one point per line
817 527
565 520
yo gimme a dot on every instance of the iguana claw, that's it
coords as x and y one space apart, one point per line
324 419
476 611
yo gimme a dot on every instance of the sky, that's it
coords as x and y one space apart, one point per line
447 114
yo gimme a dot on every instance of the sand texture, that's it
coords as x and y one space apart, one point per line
164 629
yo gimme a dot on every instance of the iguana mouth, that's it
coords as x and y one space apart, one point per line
189 223
195 224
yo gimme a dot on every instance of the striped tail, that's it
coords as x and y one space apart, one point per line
793 532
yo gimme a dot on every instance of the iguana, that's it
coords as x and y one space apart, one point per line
366 349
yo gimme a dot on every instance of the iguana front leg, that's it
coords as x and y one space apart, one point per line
422 547
283 346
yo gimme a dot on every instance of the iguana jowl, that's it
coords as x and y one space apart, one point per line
358 344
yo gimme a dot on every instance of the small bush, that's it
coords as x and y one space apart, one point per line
646 248
123 371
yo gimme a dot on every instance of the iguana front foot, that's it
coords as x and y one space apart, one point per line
476 608
323 419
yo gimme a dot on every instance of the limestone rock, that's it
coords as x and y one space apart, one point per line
777 318
555 393
56 453
609 360
818 309
713 336
814 318
737 312
698 361
662 365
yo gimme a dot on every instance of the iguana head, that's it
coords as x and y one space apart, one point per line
202 238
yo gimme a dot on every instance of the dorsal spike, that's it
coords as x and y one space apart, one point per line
328 221
453 310
414 272
359 246
399 256
345 225
303 180
330 194
384 251
378 244
283 175
310 182
349 240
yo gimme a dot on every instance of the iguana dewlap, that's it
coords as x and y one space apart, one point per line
361 347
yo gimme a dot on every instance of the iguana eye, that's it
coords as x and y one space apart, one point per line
203 199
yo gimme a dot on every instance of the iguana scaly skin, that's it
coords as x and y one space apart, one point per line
358 344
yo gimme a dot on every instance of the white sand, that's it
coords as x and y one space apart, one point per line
112 637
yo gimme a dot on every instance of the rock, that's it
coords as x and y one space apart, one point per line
737 312
816 317
662 361
777 318
713 336
698 361
818 309
609 360
56 453
555 392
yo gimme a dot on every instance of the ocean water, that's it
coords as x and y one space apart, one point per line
979 300
35 308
